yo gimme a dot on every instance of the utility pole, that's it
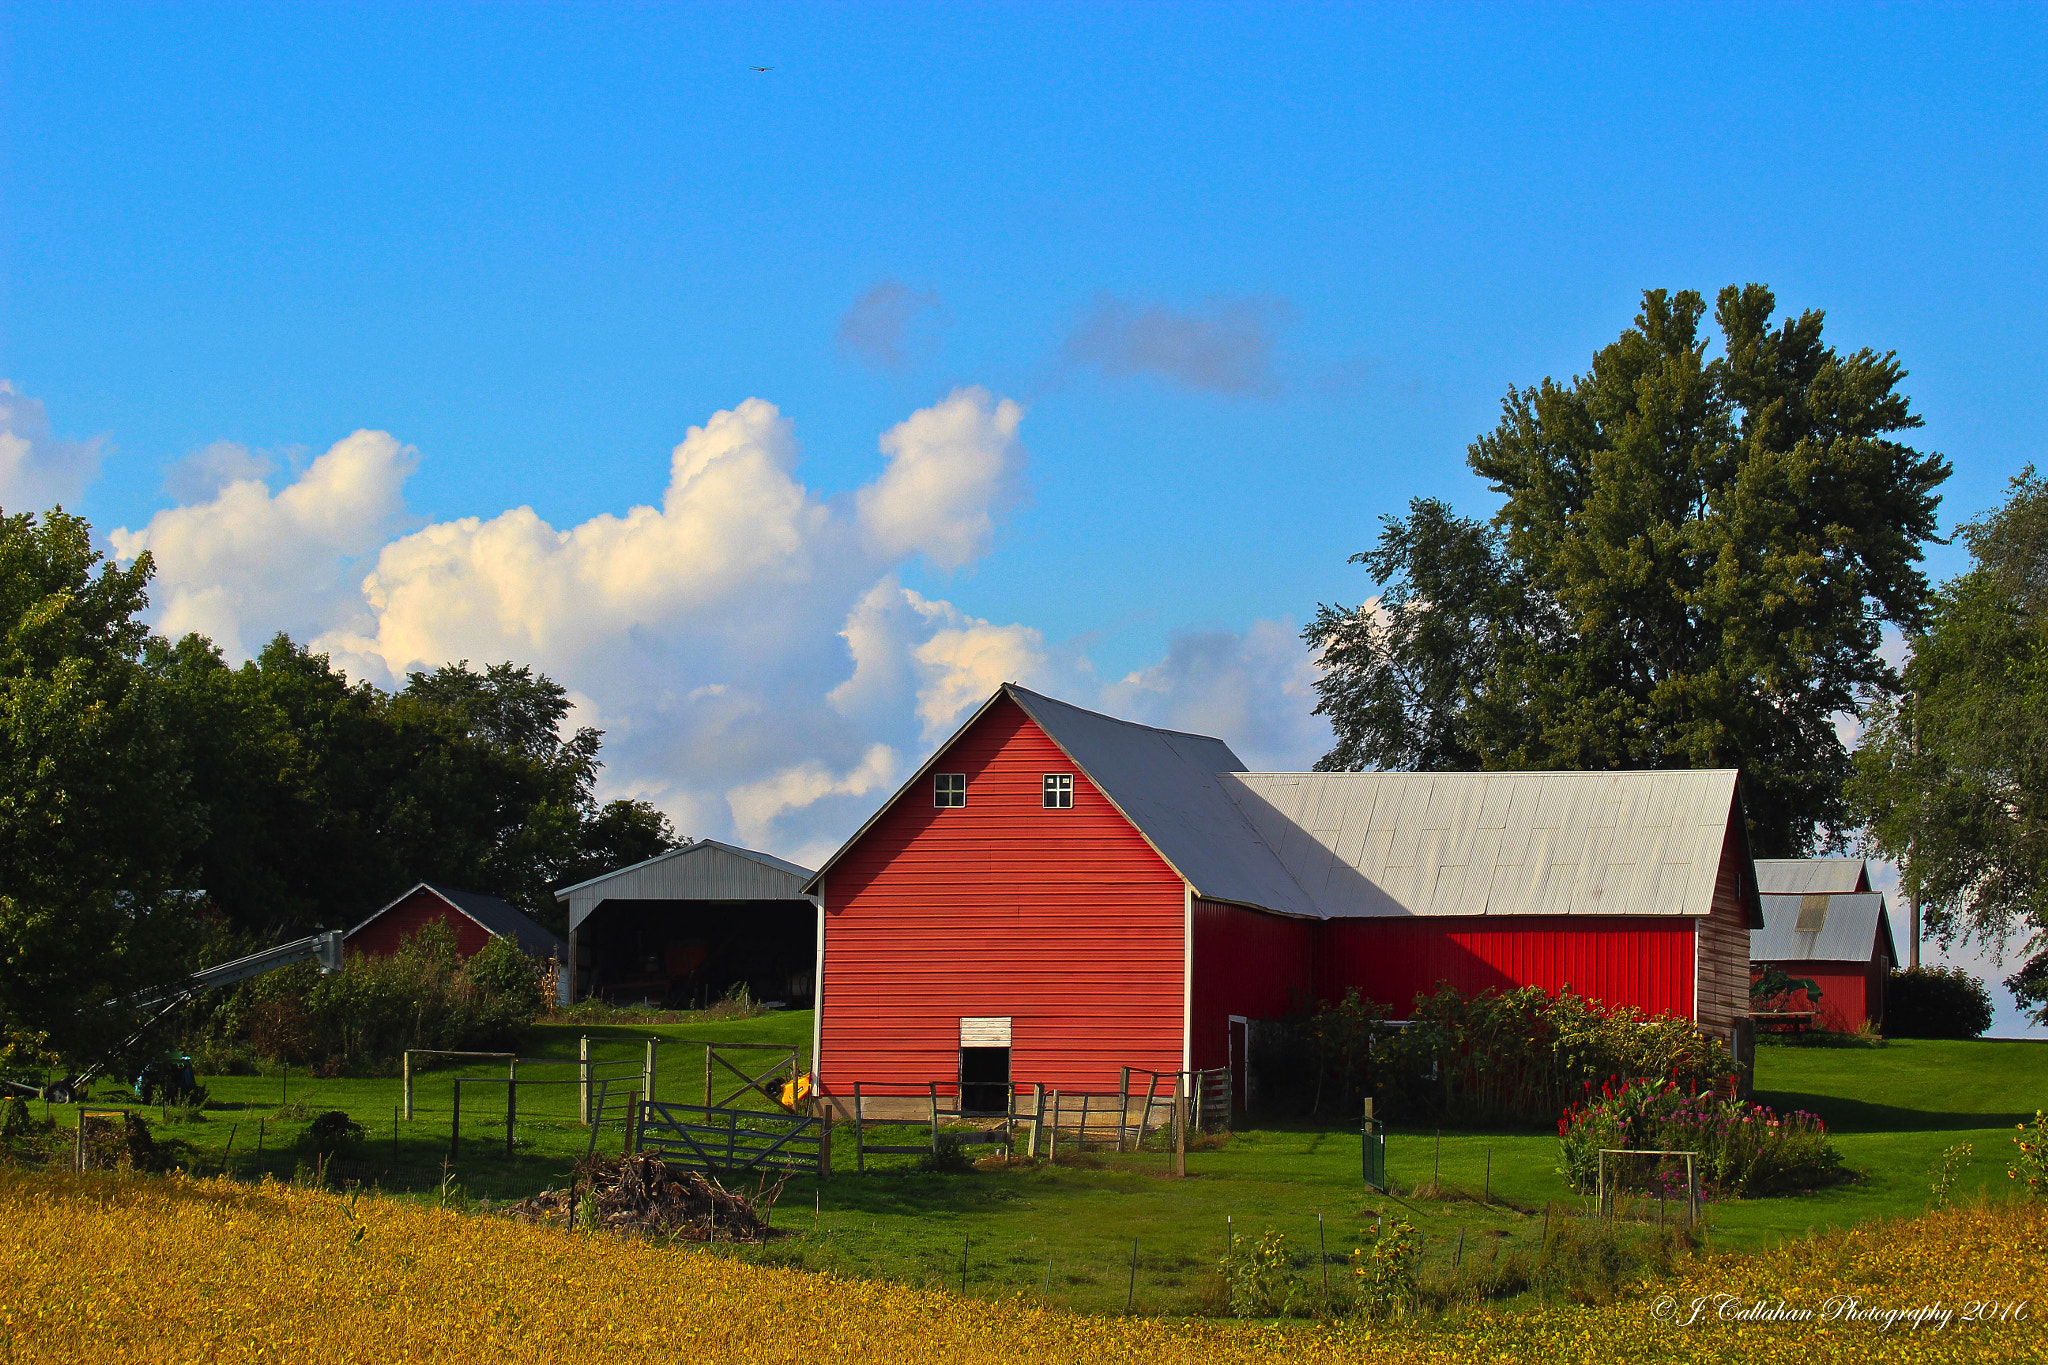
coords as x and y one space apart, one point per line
1912 878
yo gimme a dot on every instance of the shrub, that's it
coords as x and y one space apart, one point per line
1936 1002
362 1018
1494 1057
1744 1148
331 1132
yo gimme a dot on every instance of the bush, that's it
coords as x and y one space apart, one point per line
331 1132
1744 1148
364 1017
1494 1057
1936 1002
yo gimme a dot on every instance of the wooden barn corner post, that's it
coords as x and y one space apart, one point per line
647 1071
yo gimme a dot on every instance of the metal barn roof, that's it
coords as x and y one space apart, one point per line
497 917
1818 927
706 870
1804 876
1172 786
1497 843
1330 845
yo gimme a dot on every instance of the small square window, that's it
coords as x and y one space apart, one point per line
949 789
1059 791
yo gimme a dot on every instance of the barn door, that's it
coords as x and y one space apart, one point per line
1240 1065
985 1066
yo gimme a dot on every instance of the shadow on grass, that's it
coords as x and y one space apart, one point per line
1860 1116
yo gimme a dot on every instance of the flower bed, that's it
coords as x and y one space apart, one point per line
1744 1149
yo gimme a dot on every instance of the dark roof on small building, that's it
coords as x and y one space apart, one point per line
1819 927
496 916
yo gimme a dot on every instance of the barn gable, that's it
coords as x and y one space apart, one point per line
474 917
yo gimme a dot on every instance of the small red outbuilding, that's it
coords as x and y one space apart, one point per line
1057 894
475 920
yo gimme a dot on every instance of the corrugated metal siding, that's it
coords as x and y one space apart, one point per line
380 937
1849 994
1803 876
705 871
1494 843
1643 961
1724 943
1065 921
1246 963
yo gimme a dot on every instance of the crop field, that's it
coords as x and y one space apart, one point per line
1063 1235
111 1266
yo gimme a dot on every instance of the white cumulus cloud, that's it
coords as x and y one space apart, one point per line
247 557
37 470
953 470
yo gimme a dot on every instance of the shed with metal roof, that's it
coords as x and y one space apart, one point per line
1842 942
471 916
690 926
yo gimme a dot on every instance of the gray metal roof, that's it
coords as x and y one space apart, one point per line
1174 788
496 916
1341 844
1818 927
1801 876
706 870
1497 843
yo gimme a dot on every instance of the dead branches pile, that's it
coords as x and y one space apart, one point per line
645 1195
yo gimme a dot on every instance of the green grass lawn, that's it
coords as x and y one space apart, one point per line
1067 1231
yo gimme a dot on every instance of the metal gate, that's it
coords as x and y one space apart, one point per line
729 1141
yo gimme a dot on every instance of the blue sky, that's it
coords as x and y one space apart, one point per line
1252 277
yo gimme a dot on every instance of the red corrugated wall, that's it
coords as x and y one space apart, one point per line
1850 992
380 936
1065 921
1621 960
1247 963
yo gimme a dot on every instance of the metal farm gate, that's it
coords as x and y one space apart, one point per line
733 1141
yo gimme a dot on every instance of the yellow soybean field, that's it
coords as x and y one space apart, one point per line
117 1267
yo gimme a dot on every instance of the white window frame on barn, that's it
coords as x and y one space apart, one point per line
949 790
1059 791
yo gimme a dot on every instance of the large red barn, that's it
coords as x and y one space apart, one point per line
1061 894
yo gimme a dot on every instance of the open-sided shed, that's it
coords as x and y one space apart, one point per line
687 926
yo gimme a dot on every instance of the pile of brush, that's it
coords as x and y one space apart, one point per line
637 1193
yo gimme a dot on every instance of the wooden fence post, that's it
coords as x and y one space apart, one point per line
583 1089
647 1070
860 1150
1180 1134
1123 1107
935 1115
408 1085
1052 1135
1037 1117
511 1104
707 1075
824 1141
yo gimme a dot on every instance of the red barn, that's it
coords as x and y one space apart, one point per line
1840 941
1057 894
475 920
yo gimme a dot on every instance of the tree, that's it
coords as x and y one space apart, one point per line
325 798
1690 567
1952 776
95 813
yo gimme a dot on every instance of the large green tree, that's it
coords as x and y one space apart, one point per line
95 808
1952 775
324 797
1691 565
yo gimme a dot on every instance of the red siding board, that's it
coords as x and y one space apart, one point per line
381 936
1065 921
1850 992
1620 960
1247 963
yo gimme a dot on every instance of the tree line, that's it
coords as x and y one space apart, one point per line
1695 555
158 803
